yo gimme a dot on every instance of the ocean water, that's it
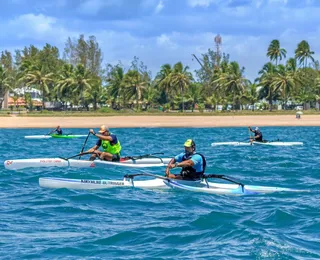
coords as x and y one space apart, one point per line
132 223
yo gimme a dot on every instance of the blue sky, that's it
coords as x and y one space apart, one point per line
164 31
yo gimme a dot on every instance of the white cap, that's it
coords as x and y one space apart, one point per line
257 128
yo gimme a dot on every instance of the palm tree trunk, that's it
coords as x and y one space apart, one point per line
42 88
137 102
182 92
270 103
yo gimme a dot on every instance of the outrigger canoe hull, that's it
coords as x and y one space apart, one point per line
53 136
257 143
157 183
58 162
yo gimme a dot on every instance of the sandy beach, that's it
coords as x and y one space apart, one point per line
158 121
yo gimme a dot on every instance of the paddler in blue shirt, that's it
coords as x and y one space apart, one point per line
58 130
193 164
257 135
110 144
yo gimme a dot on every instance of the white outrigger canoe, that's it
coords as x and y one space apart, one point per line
271 143
59 162
53 136
160 183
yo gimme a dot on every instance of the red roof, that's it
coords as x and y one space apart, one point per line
21 102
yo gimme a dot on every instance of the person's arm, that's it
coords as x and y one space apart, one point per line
100 136
187 163
250 128
170 165
91 150
258 136
52 131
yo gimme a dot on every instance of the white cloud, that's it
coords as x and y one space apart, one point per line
279 1
159 7
165 41
206 3
35 27
38 24
92 7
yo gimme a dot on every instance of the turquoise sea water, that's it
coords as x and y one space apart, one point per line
120 223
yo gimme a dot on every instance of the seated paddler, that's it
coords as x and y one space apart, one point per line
192 164
110 144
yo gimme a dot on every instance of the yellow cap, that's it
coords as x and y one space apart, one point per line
189 143
103 129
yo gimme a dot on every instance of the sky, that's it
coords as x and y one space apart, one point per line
164 31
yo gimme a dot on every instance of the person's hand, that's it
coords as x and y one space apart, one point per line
172 165
249 127
92 131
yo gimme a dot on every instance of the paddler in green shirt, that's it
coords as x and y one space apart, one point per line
110 144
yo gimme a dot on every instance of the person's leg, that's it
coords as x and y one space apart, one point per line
106 156
94 155
116 157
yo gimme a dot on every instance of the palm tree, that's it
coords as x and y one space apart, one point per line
194 94
5 80
265 81
285 82
251 94
150 95
95 93
317 91
37 76
81 81
134 85
275 52
232 81
64 85
162 80
181 78
115 84
303 53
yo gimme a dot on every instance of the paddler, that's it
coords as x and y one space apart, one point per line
257 135
58 130
193 164
110 144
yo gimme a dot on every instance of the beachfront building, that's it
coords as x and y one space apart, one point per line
16 98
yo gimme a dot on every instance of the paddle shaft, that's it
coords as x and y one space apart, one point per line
224 177
84 144
79 154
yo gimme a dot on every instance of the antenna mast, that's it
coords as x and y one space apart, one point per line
218 43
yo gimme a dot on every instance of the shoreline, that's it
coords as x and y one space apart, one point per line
159 121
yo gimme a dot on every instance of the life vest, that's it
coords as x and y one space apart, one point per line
113 149
190 172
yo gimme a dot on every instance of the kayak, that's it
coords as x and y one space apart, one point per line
53 136
271 143
160 182
59 162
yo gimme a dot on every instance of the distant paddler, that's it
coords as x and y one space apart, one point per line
58 131
257 135
193 164
110 144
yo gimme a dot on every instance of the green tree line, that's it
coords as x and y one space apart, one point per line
77 77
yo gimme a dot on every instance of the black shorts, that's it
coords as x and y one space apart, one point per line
191 176
116 157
